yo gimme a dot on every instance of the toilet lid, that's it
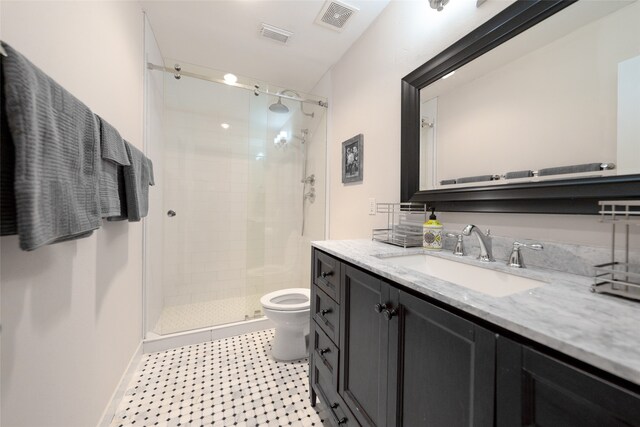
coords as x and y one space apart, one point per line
291 299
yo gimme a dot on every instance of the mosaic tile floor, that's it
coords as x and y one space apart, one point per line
204 314
227 382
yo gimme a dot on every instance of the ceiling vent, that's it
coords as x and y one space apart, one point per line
335 14
275 33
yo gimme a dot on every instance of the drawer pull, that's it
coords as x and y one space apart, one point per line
325 311
326 274
325 350
342 421
334 405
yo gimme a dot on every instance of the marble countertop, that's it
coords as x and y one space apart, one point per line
601 330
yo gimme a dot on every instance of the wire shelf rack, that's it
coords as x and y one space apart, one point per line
404 224
621 278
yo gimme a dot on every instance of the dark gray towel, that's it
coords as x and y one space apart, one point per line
478 178
587 167
447 181
114 156
519 174
55 137
137 177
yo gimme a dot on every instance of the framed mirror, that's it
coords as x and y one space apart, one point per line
542 114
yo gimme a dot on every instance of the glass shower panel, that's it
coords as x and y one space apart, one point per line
207 133
242 196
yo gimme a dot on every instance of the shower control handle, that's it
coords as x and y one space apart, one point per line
326 274
171 213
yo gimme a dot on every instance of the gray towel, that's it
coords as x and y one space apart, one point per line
137 177
587 167
478 178
114 156
519 174
55 138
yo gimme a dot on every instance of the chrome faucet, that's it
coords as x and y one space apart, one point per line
483 239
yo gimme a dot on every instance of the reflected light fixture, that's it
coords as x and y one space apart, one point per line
224 125
446 76
438 4
230 78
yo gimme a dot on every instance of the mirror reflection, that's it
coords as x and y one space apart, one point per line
561 100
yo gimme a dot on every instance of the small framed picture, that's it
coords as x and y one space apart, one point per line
352 159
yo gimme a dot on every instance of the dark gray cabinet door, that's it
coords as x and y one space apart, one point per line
534 389
364 335
441 367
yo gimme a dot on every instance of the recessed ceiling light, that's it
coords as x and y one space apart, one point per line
446 76
224 125
230 78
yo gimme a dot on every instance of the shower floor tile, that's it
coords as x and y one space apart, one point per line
227 382
204 314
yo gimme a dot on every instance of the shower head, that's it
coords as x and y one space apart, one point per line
279 107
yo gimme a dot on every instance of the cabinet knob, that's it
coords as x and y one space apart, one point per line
379 307
326 274
325 350
342 421
389 313
325 311
334 405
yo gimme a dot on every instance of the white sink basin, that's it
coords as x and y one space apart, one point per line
489 282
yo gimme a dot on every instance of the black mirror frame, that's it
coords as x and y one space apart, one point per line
568 196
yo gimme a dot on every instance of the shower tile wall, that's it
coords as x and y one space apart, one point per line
206 184
238 202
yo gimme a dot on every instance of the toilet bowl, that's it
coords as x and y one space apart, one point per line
289 310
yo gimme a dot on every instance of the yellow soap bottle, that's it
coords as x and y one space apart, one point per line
432 233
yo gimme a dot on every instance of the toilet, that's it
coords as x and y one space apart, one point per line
289 310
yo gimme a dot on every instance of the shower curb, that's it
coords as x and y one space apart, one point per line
197 336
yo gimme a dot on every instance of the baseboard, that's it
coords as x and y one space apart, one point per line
118 394
165 342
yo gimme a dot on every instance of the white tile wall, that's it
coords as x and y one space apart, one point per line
238 200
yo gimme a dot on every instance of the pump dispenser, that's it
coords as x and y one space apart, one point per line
432 233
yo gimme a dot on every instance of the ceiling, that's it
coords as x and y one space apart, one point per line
225 35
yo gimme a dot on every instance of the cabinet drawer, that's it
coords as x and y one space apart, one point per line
326 313
339 414
325 356
326 274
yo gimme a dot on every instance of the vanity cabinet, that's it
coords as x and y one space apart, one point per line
381 356
441 367
536 389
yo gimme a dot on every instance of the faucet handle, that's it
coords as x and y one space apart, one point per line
459 248
515 260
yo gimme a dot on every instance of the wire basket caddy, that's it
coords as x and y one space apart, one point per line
404 224
621 278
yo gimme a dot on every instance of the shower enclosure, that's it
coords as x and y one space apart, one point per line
241 195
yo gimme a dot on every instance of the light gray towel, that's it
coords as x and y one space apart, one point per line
587 167
55 137
137 177
478 178
114 156
519 174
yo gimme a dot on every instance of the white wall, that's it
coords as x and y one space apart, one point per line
71 312
365 98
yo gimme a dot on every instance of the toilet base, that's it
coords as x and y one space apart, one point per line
290 344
